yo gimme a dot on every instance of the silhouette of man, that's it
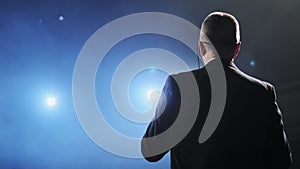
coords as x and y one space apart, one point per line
250 134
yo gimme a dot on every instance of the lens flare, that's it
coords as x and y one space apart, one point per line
51 101
153 95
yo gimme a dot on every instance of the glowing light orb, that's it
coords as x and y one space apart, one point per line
61 18
252 63
153 95
51 101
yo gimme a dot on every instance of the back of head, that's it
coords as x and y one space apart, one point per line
223 31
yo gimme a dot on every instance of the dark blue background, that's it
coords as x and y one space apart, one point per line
38 53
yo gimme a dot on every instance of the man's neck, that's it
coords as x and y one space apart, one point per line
209 60
209 56
224 61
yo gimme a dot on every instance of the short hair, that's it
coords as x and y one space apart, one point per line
223 31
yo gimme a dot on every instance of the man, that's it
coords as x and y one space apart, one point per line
250 134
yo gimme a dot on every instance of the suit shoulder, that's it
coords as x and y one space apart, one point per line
184 75
196 73
258 83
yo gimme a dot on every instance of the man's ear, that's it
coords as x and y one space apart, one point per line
237 49
202 48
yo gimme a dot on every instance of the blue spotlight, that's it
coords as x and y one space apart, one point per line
51 101
145 88
153 95
61 18
252 63
152 69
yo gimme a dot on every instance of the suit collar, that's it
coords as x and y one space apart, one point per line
226 64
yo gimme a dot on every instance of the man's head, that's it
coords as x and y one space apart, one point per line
220 31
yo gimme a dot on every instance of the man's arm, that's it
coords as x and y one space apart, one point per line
166 113
278 153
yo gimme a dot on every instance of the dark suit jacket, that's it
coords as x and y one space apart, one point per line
250 134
